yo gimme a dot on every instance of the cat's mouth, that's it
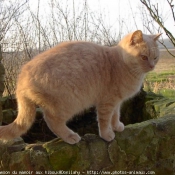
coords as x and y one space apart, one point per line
148 68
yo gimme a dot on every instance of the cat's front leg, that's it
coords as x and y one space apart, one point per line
104 114
117 125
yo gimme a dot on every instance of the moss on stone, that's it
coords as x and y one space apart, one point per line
146 146
61 154
38 153
128 139
20 161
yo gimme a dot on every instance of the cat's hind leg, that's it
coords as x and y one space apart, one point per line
117 125
58 126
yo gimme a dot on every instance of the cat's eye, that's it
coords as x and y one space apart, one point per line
144 57
155 58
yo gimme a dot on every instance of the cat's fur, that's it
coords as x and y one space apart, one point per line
73 76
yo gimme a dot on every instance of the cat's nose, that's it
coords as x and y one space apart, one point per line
151 66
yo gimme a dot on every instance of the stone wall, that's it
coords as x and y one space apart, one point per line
142 147
2 72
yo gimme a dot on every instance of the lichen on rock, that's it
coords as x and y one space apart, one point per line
146 146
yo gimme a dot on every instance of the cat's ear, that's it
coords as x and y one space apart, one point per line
156 37
136 38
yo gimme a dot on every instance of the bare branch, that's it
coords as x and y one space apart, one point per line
8 12
154 12
172 8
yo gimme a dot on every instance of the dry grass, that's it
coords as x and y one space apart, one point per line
166 62
162 79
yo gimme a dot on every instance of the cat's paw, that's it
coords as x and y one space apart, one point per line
72 138
119 127
108 135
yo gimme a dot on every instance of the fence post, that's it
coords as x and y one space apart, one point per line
2 72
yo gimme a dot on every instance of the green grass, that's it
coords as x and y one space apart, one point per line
161 83
160 77
170 93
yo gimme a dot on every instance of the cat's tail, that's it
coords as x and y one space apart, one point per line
24 120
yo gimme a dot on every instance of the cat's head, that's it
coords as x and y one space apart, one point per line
140 51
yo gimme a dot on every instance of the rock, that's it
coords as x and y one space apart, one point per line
9 102
146 146
135 110
158 105
145 106
2 73
9 115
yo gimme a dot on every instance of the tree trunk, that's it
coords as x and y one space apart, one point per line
2 72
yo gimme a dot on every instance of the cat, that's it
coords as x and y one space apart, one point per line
74 76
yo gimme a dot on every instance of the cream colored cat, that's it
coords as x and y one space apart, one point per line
73 76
